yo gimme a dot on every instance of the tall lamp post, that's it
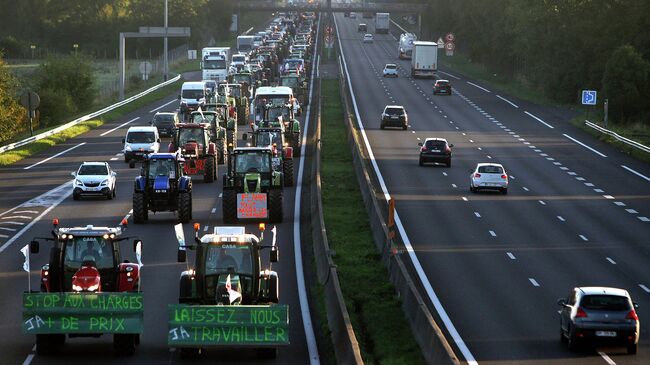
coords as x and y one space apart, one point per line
33 48
165 60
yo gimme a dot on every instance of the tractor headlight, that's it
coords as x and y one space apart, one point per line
161 190
76 288
93 287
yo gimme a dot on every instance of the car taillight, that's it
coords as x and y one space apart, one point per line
632 315
504 176
477 175
447 149
423 149
580 313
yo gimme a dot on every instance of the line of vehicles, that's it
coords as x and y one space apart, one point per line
229 297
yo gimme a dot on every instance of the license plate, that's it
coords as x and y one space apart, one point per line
605 333
436 151
92 189
394 117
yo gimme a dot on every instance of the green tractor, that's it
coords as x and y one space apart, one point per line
241 96
246 80
273 135
282 114
229 299
216 126
298 84
252 188
227 119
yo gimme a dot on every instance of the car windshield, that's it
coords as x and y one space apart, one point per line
391 67
93 170
289 81
438 145
140 137
193 93
241 79
81 249
239 59
235 90
605 302
394 111
252 162
442 83
162 167
190 135
263 100
214 64
163 120
221 258
277 112
490 169
203 118
267 138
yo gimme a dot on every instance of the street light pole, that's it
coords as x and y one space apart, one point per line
165 62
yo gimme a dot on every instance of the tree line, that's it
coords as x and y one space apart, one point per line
558 47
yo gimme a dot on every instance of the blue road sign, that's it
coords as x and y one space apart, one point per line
588 97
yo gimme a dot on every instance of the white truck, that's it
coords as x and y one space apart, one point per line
424 61
405 47
214 63
245 43
382 23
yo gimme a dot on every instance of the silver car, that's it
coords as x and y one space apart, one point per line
368 38
94 179
489 176
599 315
390 70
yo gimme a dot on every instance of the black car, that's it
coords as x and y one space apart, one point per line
435 150
166 123
362 28
442 87
394 116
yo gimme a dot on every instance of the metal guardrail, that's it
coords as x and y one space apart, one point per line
37 137
618 137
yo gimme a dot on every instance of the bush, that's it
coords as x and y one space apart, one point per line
72 75
12 115
625 83
56 107
10 47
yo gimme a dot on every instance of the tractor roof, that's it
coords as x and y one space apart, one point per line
190 126
162 156
253 149
90 231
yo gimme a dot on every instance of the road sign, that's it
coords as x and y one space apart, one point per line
440 42
450 46
30 100
589 97
450 37
145 67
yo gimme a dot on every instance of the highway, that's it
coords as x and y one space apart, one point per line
577 212
38 189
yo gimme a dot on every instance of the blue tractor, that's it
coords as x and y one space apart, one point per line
162 187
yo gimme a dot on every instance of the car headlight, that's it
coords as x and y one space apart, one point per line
78 182
104 182
128 148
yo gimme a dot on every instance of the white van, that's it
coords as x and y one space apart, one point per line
192 96
139 142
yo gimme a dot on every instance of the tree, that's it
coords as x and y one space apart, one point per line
12 115
71 75
625 83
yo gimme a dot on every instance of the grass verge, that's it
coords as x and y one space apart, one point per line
382 331
20 153
638 133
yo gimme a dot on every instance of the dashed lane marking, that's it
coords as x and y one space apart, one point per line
561 218
57 155
512 257
538 119
533 281
636 173
611 261
508 101
119 126
585 146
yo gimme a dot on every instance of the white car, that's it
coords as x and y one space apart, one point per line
94 179
390 70
489 176
139 142
353 15
368 38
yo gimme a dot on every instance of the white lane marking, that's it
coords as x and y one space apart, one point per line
162 106
26 211
444 174
114 158
550 158
645 288
591 185
539 120
450 75
480 149
512 257
471 141
542 202
512 177
564 168
454 186
557 163
611 261
3 236
571 173
636 173
205 229
477 214
620 204
57 155
631 211
8 229
29 359
507 101
579 178
213 210
599 190
297 244
584 145
220 195
607 359
119 126
644 219
17 217
533 281
464 198
488 156
493 234
583 237
608 197
458 340
14 223
66 192
480 87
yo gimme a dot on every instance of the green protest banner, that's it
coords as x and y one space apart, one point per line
240 325
88 313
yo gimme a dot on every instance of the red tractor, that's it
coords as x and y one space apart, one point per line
192 141
86 267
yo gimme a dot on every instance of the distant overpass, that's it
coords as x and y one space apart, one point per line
327 6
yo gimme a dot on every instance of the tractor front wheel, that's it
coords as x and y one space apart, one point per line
287 170
229 206
210 167
185 207
275 205
140 210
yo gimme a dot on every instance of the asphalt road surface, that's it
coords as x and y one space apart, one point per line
577 212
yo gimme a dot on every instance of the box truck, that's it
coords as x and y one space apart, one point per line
382 23
424 61
405 47
245 43
214 63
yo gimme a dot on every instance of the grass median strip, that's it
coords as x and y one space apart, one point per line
12 156
382 331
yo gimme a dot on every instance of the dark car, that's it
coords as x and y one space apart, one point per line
394 116
362 28
442 87
435 150
599 315
166 123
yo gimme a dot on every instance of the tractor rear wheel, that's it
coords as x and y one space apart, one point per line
185 207
140 210
229 206
275 205
287 170
220 152
232 139
124 344
210 167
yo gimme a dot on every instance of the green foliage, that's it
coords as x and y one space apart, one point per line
12 115
625 83
56 106
72 76
10 47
